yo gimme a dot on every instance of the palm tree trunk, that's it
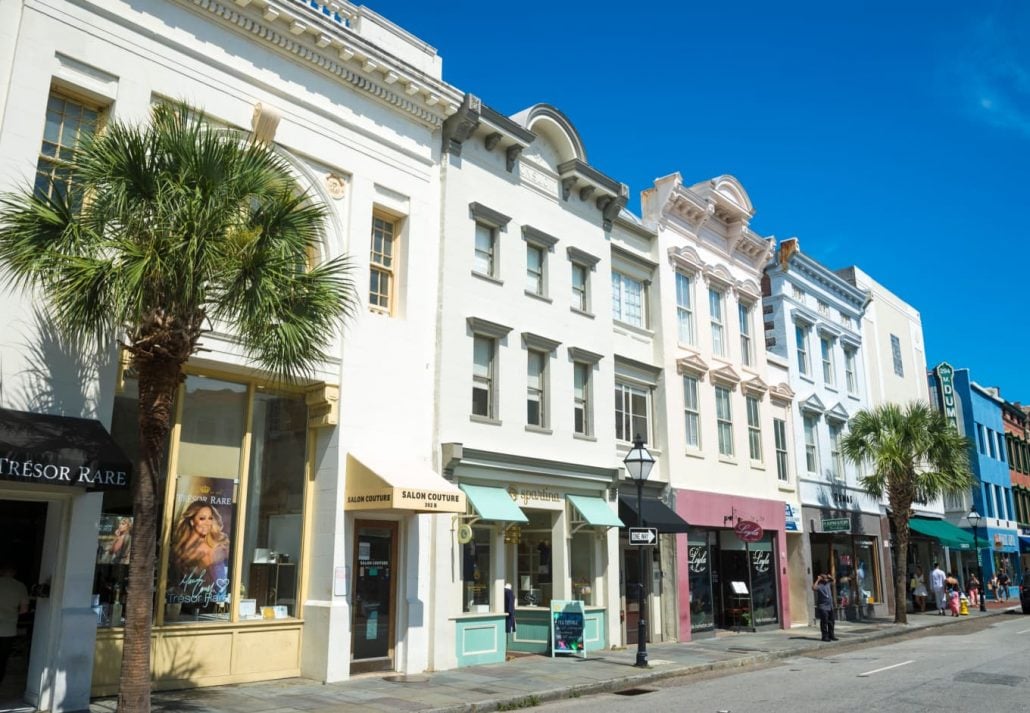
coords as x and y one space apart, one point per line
901 533
158 380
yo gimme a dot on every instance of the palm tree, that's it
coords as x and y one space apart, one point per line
170 227
914 454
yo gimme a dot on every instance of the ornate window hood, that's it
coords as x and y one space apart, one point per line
321 38
610 195
496 130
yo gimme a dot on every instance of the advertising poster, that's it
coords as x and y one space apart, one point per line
567 621
198 561
114 541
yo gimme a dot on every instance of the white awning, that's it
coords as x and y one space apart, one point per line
377 483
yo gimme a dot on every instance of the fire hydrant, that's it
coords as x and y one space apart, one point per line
963 605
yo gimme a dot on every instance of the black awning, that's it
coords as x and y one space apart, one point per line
60 450
656 514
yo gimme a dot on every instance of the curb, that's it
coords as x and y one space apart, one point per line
533 698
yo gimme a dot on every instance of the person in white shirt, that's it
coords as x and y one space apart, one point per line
937 585
14 601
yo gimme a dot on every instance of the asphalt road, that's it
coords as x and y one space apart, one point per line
973 666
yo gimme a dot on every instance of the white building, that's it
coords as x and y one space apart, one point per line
523 414
357 106
813 321
721 414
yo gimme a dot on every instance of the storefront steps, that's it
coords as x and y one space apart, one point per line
528 680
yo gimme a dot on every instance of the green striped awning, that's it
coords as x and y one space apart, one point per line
948 534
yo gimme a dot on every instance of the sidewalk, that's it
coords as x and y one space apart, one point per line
529 680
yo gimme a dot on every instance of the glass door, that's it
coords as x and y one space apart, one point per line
699 563
375 592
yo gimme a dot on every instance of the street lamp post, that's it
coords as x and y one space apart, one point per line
639 463
974 519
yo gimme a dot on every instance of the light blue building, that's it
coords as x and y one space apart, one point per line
977 412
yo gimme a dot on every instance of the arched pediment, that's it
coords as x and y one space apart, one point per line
718 275
731 200
551 125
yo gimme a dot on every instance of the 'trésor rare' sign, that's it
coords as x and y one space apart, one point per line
749 531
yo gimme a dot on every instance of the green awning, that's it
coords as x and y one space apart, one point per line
595 511
493 503
948 534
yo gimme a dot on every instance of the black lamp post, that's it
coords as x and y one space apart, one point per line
639 463
974 519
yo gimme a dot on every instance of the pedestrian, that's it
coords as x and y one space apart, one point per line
974 589
992 586
937 578
918 585
824 606
952 585
14 601
1003 585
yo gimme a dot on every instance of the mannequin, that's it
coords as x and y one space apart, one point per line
509 609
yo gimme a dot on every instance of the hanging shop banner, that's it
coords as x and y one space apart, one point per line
749 531
568 617
198 562
114 539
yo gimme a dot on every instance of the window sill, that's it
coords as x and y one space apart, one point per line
806 377
627 446
488 278
831 387
485 419
785 487
757 465
584 437
728 459
694 453
542 298
854 397
539 429
644 331
583 313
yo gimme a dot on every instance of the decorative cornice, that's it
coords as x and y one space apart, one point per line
487 328
686 258
322 42
478 211
781 392
747 290
843 290
725 375
535 341
718 276
584 355
539 237
837 413
692 364
582 257
755 385
813 404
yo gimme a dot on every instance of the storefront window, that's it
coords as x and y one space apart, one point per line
699 564
763 580
533 565
205 508
275 507
581 551
866 576
475 571
844 571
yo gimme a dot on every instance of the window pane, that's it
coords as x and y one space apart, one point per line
692 412
581 554
534 269
476 573
581 398
205 500
533 565
579 287
275 502
724 421
684 309
780 433
482 375
484 255
537 362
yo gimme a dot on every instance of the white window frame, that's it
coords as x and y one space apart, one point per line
899 366
754 427
782 455
717 316
583 402
692 411
826 354
684 308
580 294
811 429
850 377
383 262
724 420
836 456
622 308
490 231
536 279
624 414
53 164
801 344
486 380
747 353
537 392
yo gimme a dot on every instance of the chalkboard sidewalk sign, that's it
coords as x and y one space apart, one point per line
567 619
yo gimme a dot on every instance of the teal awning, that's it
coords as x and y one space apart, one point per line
948 534
493 503
595 511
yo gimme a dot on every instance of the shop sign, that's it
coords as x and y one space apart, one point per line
749 531
697 559
568 620
537 497
946 379
1004 540
406 499
198 565
836 524
792 519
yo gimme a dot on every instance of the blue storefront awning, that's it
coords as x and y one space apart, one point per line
595 511
493 503
1024 543
944 531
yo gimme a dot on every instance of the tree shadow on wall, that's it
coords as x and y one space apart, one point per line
62 374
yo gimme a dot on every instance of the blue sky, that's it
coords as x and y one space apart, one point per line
894 136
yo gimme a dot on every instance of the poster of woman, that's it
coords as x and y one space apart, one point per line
115 539
198 562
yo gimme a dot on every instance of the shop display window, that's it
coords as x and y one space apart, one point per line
581 554
533 562
699 572
762 564
476 573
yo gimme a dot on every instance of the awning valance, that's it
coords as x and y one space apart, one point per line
945 532
493 503
656 514
60 450
379 484
595 511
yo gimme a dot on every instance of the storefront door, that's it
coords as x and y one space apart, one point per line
375 592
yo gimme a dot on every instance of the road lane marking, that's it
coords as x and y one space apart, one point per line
885 668
1024 631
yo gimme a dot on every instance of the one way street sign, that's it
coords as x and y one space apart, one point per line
643 535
